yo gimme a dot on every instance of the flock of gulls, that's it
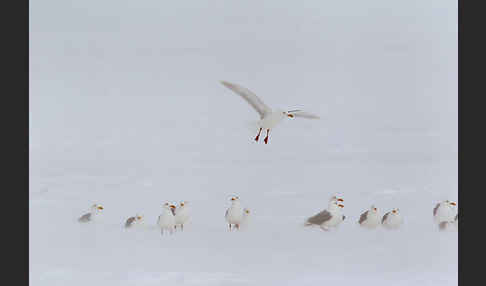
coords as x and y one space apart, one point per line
445 213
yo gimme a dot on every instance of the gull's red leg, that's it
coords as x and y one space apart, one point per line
266 138
258 135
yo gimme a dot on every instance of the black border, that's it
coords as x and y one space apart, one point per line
15 139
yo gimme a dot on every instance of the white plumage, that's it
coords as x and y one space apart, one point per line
444 211
370 219
268 118
166 220
234 215
330 217
181 215
94 211
392 219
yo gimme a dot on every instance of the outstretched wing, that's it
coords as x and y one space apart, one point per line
363 217
320 218
303 114
250 97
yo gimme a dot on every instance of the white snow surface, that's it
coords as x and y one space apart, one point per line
126 110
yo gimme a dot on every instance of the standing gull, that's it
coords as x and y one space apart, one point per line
166 220
268 118
181 215
444 211
234 215
132 221
370 219
392 219
245 219
95 209
331 217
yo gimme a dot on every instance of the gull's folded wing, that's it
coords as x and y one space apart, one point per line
250 97
303 114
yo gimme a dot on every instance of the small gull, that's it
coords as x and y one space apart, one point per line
234 215
166 220
132 221
181 215
444 211
392 219
370 219
331 217
95 210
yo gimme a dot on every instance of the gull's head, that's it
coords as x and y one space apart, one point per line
340 206
373 209
452 204
182 203
172 207
138 217
247 211
287 114
96 208
336 199
395 211
166 206
235 199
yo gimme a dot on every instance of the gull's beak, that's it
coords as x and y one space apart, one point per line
100 207
340 200
374 209
453 203
232 199
341 206
139 217
172 206
182 204
394 211
290 115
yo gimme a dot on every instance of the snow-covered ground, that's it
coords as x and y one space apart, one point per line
126 110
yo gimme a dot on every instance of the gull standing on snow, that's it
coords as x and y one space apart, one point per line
181 215
246 218
268 118
392 220
444 211
166 220
331 217
95 209
370 219
234 215
132 221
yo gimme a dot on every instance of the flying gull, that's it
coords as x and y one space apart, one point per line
268 118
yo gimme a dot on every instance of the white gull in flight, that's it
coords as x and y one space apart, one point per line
268 118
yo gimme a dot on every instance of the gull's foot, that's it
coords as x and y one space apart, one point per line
266 140
256 138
